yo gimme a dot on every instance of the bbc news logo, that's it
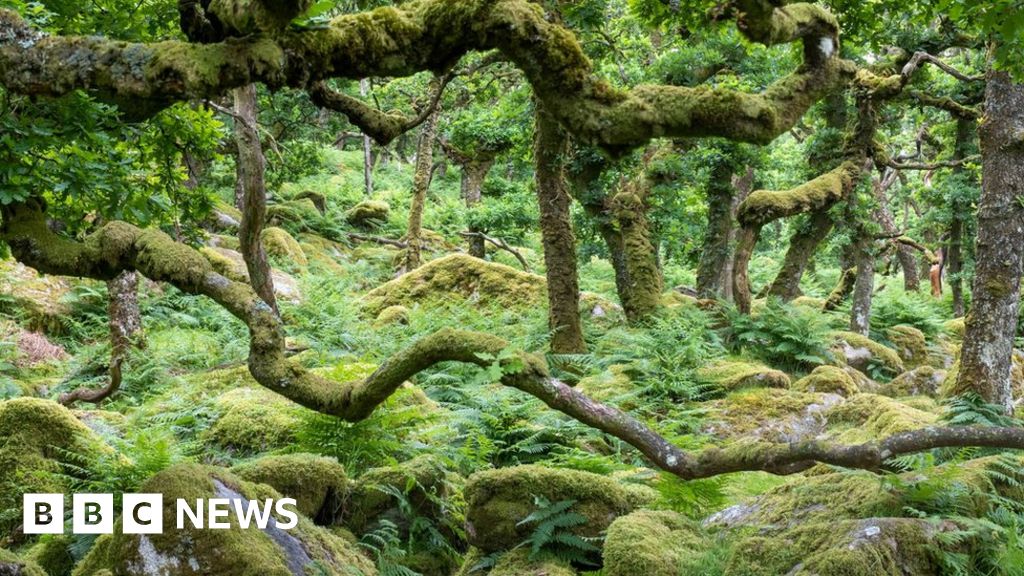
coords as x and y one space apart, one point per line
143 513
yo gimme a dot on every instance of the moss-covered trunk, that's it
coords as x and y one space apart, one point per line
985 361
550 146
251 168
802 246
864 287
746 241
642 284
474 172
724 193
420 186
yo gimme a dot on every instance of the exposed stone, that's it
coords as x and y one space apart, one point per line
923 380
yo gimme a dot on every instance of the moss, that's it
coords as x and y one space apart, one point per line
300 214
518 563
313 481
873 417
36 436
499 499
15 566
653 543
763 206
770 414
282 247
827 379
392 315
52 553
40 299
862 353
733 374
910 344
368 213
869 547
430 490
808 302
613 385
253 420
923 380
956 328
230 552
226 262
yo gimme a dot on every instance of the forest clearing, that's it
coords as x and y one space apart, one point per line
511 288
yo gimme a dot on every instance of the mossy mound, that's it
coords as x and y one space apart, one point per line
368 214
458 277
873 417
53 554
12 565
299 213
809 302
955 328
224 217
733 374
392 315
864 353
253 420
283 248
429 489
498 500
910 344
868 547
36 436
230 264
923 380
653 543
324 253
318 484
40 299
829 379
771 414
613 385
518 563
306 549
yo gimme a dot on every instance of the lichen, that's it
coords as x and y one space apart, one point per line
317 483
498 500
827 379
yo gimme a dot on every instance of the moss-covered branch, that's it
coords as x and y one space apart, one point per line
764 206
432 35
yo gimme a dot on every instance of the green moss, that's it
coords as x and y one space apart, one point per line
910 344
231 552
392 315
15 566
282 247
314 481
36 436
53 555
299 214
771 414
862 352
654 543
830 379
955 328
518 563
226 262
763 206
733 374
613 385
921 380
253 420
499 499
873 417
368 213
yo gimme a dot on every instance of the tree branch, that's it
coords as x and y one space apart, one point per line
500 244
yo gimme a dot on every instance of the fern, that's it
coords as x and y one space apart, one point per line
385 546
552 533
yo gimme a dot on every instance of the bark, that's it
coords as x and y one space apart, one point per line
549 149
745 243
863 288
474 172
713 278
802 246
965 133
985 361
251 168
125 322
843 288
420 186
364 88
641 280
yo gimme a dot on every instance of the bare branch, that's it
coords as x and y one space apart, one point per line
499 243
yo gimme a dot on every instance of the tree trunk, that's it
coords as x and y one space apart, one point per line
746 241
364 89
251 166
986 358
802 246
965 128
863 288
125 322
473 174
420 186
550 147
717 250
643 282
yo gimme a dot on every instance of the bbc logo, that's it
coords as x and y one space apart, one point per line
93 514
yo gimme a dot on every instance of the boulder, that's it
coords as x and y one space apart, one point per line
392 315
317 483
253 420
733 373
368 214
42 299
653 543
829 379
867 417
284 248
12 565
865 354
923 380
231 264
910 344
770 414
498 500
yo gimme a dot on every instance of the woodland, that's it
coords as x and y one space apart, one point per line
517 287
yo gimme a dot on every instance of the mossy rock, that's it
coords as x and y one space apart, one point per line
864 353
519 563
734 374
307 549
283 248
325 253
253 420
230 264
809 302
39 298
392 315
923 380
955 328
428 487
614 385
53 554
301 213
368 214
317 483
36 437
867 417
497 500
12 565
865 547
224 217
831 379
771 414
910 344
676 299
653 543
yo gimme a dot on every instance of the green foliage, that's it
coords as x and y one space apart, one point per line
552 523
385 546
784 335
